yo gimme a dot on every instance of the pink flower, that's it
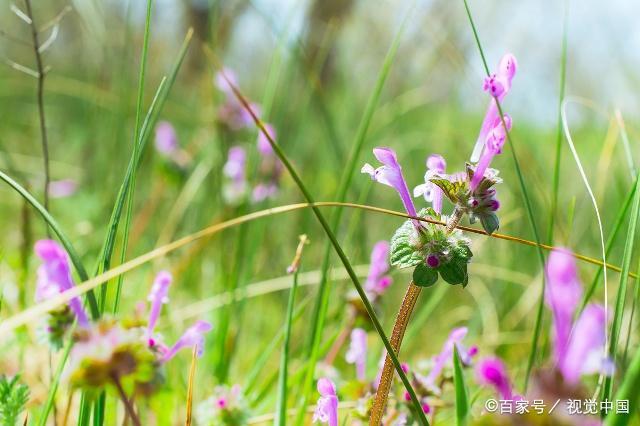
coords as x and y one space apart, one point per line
436 166
270 169
54 277
235 170
166 141
264 146
445 356
357 353
62 188
158 296
378 280
390 174
327 406
498 85
492 372
232 112
194 336
493 146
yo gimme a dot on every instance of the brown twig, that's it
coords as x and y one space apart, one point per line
399 327
127 404
40 99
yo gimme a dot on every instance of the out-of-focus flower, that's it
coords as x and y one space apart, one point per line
232 113
390 174
62 188
54 277
498 85
235 170
436 166
226 406
270 169
166 141
378 281
492 372
327 406
445 357
194 336
357 352
158 296
493 146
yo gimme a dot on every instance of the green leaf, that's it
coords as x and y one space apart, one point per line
403 252
453 190
462 399
490 222
424 276
454 272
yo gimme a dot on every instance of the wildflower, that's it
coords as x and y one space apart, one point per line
234 170
436 166
497 85
270 169
232 113
357 353
327 406
445 357
378 280
581 351
390 174
493 146
193 337
54 277
158 296
62 188
226 406
166 141
492 372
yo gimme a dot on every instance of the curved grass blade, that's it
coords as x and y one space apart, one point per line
628 391
53 224
462 398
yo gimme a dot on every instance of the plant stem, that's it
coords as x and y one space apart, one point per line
453 221
123 396
399 327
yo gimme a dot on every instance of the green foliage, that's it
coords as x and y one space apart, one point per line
13 398
462 398
424 276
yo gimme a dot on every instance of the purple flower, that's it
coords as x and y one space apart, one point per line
562 295
264 146
493 146
194 336
158 296
62 188
436 166
166 139
585 351
235 170
357 353
492 372
232 112
498 85
446 355
390 174
378 280
54 277
327 406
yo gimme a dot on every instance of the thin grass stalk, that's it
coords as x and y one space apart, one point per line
628 391
636 296
622 288
399 328
190 387
462 398
529 208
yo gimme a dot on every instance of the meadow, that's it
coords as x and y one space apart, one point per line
237 213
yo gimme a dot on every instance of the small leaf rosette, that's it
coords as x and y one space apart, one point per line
431 251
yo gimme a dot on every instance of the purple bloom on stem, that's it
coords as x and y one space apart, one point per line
232 112
436 166
327 406
378 280
562 295
446 355
54 277
390 174
194 336
62 188
357 353
498 85
584 353
158 296
166 141
270 167
264 146
493 146
235 170
492 372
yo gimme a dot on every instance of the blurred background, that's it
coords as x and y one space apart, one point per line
312 65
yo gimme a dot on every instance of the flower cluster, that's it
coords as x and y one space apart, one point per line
226 406
423 244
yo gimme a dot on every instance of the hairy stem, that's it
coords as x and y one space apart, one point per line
454 220
399 327
40 98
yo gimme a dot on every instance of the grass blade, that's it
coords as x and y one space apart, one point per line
192 375
628 391
462 398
